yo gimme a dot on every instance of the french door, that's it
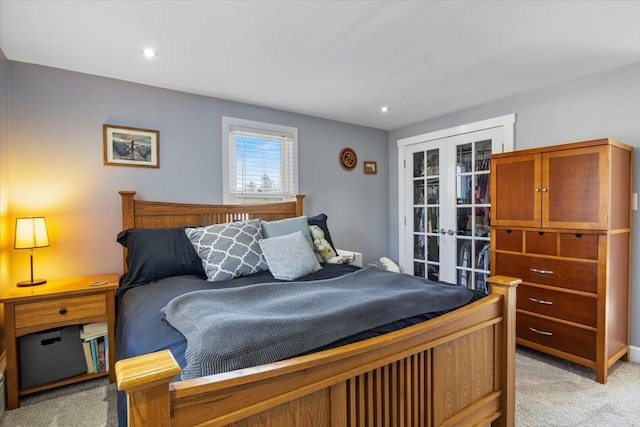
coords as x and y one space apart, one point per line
447 207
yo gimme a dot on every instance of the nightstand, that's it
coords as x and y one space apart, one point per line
57 303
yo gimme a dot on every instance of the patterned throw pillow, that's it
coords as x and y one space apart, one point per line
229 250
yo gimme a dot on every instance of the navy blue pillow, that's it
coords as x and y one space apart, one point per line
156 253
321 221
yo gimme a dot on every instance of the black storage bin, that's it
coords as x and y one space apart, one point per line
51 355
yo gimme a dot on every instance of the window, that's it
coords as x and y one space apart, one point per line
260 161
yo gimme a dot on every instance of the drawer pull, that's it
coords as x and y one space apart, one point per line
540 301
537 270
537 331
63 311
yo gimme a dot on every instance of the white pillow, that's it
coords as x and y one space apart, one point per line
290 256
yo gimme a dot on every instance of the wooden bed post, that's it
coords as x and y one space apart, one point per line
128 219
127 209
506 286
146 380
299 206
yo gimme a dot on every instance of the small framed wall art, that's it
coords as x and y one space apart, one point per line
370 167
126 146
348 159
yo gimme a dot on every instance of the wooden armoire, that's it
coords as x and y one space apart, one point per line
561 221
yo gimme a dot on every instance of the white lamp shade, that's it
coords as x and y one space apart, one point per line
31 233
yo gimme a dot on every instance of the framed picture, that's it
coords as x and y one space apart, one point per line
125 146
370 167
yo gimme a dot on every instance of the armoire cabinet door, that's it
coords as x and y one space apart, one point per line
515 182
574 185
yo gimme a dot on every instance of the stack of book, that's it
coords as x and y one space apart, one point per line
96 346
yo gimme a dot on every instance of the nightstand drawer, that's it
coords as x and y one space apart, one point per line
59 310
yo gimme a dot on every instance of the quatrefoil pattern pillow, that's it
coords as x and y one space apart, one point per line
229 250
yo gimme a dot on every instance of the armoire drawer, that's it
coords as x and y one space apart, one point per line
508 240
581 276
569 339
542 243
561 305
583 246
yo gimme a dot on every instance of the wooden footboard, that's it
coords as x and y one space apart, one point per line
457 369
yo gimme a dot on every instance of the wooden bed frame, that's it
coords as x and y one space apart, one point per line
457 369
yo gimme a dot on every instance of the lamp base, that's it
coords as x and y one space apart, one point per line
32 282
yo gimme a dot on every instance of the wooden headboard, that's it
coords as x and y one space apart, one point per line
147 214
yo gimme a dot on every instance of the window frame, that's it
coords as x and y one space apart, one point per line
230 197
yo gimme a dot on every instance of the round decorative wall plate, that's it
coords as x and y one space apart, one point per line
348 159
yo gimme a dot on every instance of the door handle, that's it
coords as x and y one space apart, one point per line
450 232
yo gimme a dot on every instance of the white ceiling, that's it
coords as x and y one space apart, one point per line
339 60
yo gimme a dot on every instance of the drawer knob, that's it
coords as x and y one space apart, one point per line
540 301
538 331
63 311
537 270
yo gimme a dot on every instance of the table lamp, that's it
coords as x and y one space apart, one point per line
31 233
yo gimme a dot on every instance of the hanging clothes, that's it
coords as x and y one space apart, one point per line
464 260
483 264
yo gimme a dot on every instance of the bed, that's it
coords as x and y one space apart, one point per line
437 369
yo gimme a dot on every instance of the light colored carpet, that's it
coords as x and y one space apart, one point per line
550 392
87 404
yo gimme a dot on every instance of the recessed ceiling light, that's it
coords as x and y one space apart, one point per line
149 52
384 109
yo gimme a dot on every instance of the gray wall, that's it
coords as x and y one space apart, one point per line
5 242
56 169
598 106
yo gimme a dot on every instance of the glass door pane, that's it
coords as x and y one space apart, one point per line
426 213
473 212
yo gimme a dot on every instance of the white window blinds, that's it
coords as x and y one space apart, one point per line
261 162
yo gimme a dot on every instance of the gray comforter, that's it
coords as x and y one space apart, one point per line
229 329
